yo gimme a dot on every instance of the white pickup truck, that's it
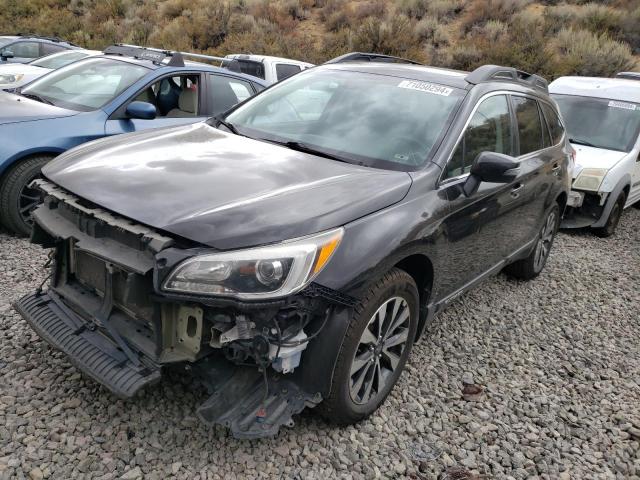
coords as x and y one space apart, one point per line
602 117
270 69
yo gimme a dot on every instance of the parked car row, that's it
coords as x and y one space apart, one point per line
291 248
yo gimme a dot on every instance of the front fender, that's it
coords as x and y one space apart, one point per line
624 182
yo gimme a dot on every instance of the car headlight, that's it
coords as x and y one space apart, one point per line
257 273
6 79
590 179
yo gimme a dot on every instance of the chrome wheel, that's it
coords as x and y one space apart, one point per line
544 242
379 350
28 200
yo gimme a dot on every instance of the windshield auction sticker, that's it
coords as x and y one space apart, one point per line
426 87
626 106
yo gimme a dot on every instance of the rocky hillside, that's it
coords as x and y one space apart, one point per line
553 38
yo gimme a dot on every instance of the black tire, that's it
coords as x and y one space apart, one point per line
614 218
393 288
15 205
530 267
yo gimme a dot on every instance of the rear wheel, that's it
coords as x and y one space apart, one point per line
374 350
530 267
613 220
17 200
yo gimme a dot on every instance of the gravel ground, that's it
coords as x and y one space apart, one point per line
558 358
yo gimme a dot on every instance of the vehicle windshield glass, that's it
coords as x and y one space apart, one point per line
58 60
603 123
255 69
86 85
368 119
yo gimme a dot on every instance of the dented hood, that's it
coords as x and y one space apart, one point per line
221 189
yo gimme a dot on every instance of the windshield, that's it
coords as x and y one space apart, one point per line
255 69
362 118
57 60
86 85
599 122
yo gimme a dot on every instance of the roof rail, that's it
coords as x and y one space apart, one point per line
628 75
370 57
487 73
155 55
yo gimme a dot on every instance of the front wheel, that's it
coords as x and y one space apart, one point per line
17 200
613 220
530 267
374 350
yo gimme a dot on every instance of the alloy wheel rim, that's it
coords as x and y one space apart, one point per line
543 246
28 200
379 350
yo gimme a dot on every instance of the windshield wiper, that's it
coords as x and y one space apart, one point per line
303 147
581 142
36 98
229 126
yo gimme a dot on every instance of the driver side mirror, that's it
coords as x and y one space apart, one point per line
141 110
490 167
6 54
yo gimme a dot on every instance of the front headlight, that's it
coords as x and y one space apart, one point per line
7 79
590 179
257 273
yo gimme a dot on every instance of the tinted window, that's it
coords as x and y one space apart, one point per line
225 92
284 70
88 84
255 69
25 49
49 48
603 123
529 126
555 125
374 120
489 131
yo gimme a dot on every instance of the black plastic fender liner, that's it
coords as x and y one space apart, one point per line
90 351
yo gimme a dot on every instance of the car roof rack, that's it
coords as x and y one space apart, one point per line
41 37
487 73
156 55
370 57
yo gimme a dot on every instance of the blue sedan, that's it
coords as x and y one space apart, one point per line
125 90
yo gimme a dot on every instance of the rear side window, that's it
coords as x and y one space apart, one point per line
225 92
49 48
529 124
553 121
284 70
489 131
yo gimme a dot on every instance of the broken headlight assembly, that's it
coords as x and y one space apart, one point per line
590 179
264 272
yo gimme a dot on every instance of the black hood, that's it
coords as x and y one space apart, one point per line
15 108
221 189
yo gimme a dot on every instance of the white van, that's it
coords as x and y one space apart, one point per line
602 117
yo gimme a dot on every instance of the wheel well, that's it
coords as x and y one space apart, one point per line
421 270
562 202
16 161
626 190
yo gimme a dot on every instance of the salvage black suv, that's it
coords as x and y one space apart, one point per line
290 252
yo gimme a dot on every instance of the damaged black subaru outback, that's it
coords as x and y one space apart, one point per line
291 252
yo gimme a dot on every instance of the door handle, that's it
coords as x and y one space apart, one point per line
515 191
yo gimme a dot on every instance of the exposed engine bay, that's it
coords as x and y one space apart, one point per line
105 310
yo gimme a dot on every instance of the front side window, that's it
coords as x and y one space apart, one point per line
173 97
86 85
25 49
284 70
488 131
60 60
225 92
600 122
529 124
373 120
556 129
4 41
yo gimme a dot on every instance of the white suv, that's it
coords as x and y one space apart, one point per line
270 69
602 116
